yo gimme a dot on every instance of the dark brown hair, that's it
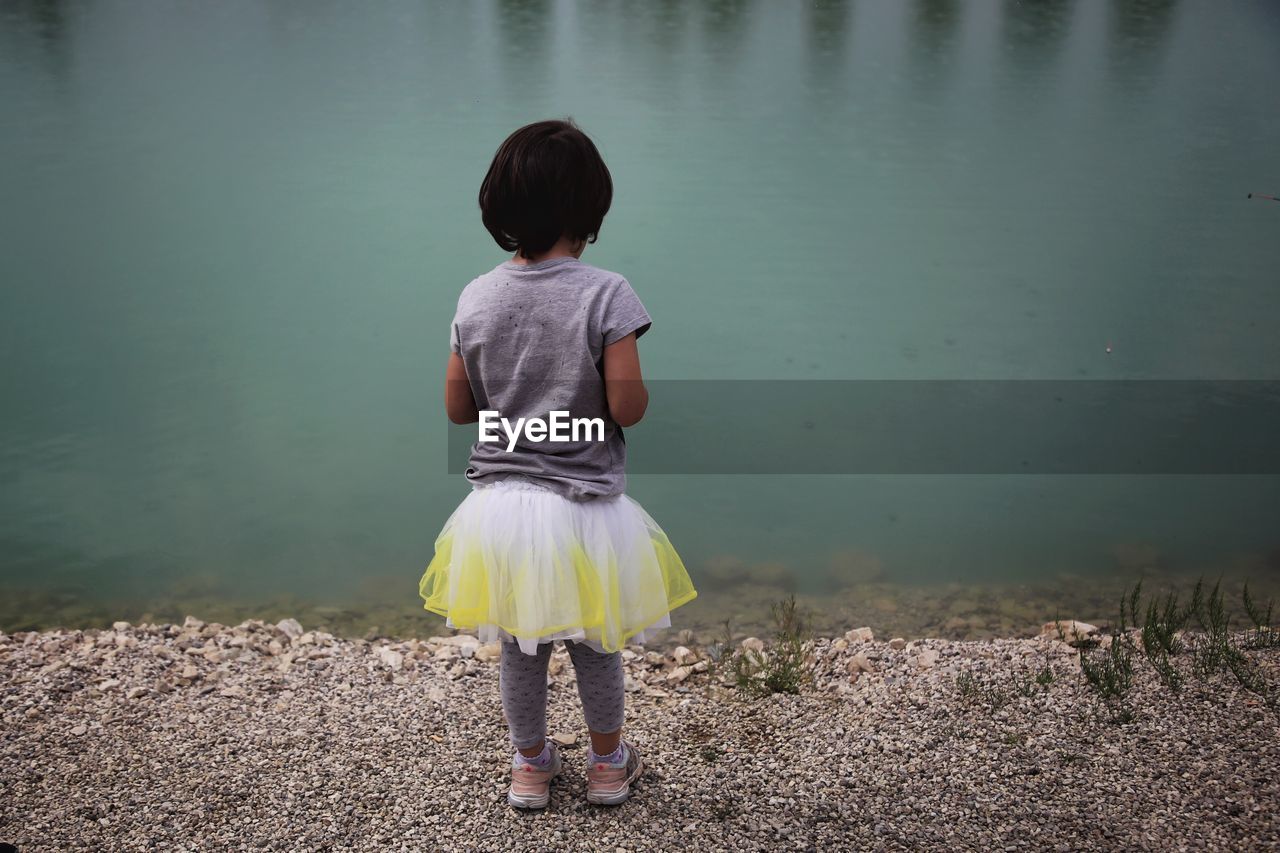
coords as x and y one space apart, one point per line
547 180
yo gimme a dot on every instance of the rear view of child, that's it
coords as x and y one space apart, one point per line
547 546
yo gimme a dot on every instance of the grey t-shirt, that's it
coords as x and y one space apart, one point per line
532 337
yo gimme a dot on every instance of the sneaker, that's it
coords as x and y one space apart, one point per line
610 784
531 785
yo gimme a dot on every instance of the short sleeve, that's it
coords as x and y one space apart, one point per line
624 314
455 343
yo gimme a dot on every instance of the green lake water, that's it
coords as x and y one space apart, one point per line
234 234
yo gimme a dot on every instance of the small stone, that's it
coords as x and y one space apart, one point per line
135 692
189 672
683 655
926 659
1072 630
859 663
192 623
458 670
79 730
753 644
897 644
290 628
678 675
392 659
489 652
860 635
565 738
120 626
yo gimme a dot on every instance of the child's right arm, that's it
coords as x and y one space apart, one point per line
623 385
459 402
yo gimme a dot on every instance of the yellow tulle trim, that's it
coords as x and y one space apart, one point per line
598 607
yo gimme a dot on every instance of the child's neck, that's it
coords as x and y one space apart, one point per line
564 248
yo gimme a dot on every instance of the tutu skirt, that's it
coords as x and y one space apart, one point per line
517 561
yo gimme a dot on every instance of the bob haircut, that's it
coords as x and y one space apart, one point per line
547 180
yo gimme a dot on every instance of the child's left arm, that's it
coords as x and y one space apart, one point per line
459 402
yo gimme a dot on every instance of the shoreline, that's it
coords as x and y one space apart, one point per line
211 736
953 610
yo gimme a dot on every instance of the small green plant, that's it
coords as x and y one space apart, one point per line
1213 649
1111 674
710 754
1161 635
971 689
1044 677
785 667
1262 635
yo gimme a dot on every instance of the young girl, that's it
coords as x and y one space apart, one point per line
547 546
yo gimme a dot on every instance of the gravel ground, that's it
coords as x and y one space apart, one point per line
261 737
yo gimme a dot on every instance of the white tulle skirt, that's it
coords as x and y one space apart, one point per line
517 561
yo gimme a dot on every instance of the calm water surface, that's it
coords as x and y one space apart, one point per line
234 234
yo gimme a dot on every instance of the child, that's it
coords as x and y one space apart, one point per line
547 546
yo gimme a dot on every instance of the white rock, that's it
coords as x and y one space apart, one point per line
1073 630
683 655
189 671
859 663
391 658
455 640
459 669
435 694
753 644
897 643
192 623
79 730
135 692
489 652
446 653
120 626
860 635
290 628
840 644
565 738
678 675
926 659
631 685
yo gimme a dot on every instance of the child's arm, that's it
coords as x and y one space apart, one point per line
459 402
623 385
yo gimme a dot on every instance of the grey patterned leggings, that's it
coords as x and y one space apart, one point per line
523 682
